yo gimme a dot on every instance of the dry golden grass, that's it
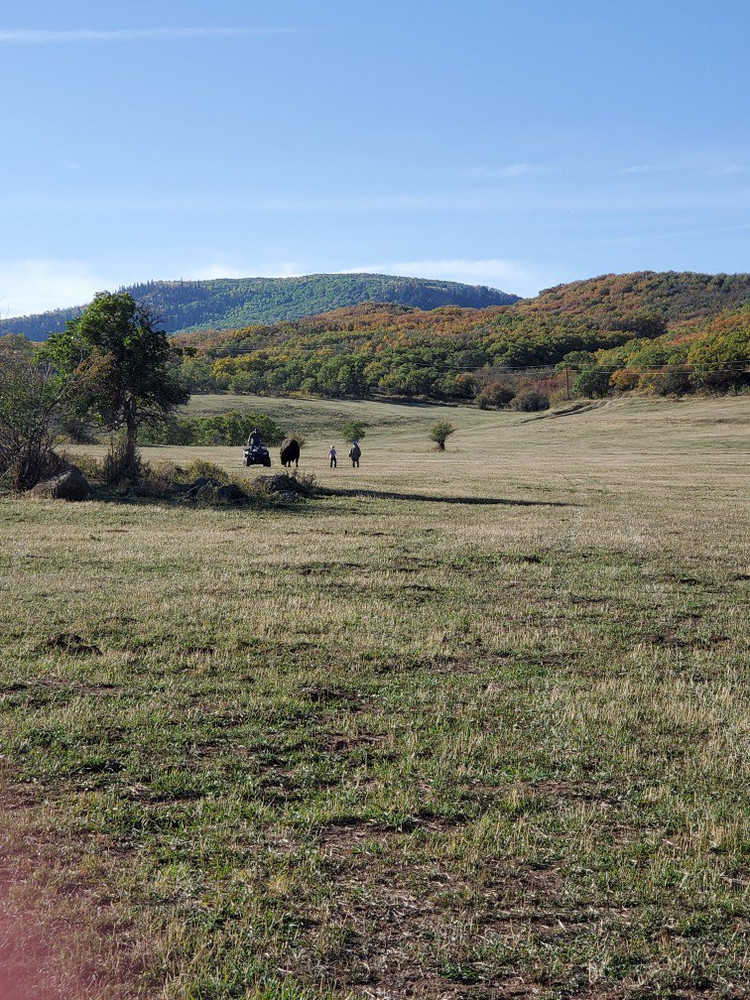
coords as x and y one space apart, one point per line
472 724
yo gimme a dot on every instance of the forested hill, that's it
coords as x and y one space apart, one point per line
634 323
666 296
231 303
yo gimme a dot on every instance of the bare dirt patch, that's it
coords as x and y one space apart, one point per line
70 643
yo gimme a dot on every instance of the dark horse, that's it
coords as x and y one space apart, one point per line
290 452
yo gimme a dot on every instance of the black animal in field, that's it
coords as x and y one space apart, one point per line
290 452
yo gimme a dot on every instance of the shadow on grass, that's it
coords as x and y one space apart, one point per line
178 500
487 501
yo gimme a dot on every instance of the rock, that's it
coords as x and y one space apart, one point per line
70 484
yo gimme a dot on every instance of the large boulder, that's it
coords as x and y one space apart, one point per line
70 484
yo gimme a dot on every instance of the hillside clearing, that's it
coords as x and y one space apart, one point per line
474 724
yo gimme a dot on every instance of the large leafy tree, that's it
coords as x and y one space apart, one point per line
124 369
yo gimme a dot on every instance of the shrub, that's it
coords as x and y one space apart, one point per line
223 495
721 359
225 429
673 381
201 469
77 431
160 480
47 465
592 382
494 394
121 465
90 467
441 432
32 403
463 386
531 400
353 430
576 360
624 380
197 374
272 489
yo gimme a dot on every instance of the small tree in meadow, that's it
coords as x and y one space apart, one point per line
354 430
441 432
125 373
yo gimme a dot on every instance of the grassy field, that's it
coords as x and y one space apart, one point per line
474 725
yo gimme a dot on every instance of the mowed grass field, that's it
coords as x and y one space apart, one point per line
473 725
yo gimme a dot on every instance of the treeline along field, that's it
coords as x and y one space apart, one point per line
672 333
473 724
666 334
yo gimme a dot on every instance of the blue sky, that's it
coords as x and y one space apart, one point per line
518 145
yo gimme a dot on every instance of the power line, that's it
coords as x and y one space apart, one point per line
501 369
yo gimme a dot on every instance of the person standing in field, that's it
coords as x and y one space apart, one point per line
332 457
354 452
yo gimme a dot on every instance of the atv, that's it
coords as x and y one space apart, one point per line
257 455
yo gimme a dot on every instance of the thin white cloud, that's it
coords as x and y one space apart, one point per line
675 234
505 274
502 173
209 272
649 168
508 275
36 285
729 171
36 37
498 199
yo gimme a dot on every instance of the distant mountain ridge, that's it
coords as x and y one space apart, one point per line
232 303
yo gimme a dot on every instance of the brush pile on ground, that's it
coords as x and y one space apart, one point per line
201 483
208 490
